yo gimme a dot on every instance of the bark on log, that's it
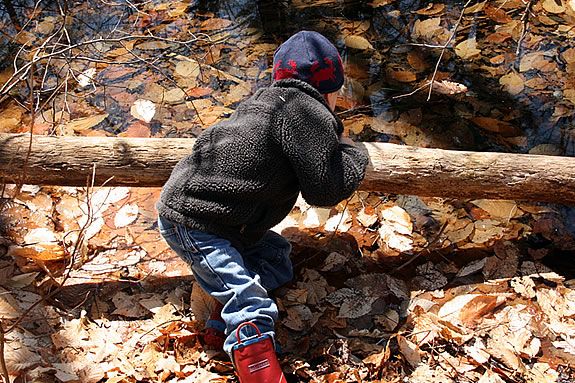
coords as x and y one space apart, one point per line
147 162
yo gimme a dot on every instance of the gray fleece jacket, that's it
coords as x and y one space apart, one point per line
245 173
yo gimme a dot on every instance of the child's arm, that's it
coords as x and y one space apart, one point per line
329 168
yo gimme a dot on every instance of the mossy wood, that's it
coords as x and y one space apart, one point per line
147 162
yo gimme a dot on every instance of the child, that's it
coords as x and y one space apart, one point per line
243 177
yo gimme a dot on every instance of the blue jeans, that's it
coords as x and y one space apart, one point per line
240 281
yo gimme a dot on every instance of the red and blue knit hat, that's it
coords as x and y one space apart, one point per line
310 57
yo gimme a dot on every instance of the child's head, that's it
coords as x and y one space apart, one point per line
310 57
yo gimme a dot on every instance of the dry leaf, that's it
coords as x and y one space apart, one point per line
472 268
467 49
568 56
569 95
201 303
478 351
11 118
128 306
21 281
460 230
523 286
340 222
188 68
152 45
380 3
496 126
475 8
409 350
424 373
315 217
357 42
497 14
298 317
427 29
499 209
47 25
512 83
431 9
175 96
86 78
126 215
417 61
367 216
352 303
334 262
490 377
82 125
402 76
143 110
541 373
553 6
487 230
429 277
19 357
396 229
236 94
448 87
469 308
9 307
215 24
535 60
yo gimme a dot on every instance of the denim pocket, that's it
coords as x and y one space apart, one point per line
187 240
166 228
177 237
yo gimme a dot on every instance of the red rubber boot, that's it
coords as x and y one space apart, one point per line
213 334
255 359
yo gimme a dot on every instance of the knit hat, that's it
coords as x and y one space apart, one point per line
310 57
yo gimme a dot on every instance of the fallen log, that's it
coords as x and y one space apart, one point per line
147 162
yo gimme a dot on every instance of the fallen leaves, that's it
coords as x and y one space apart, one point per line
143 110
82 125
513 83
357 42
496 126
396 229
467 49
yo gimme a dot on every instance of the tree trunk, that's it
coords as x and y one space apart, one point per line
70 161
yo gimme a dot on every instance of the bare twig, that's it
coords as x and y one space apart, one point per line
39 55
73 254
425 250
455 28
524 26
428 83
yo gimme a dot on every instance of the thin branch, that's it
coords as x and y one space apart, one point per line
73 254
524 26
455 28
426 249
3 366
23 71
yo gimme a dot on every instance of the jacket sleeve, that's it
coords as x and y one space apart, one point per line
328 171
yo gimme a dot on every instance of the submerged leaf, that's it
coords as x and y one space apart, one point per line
143 110
467 49
357 42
